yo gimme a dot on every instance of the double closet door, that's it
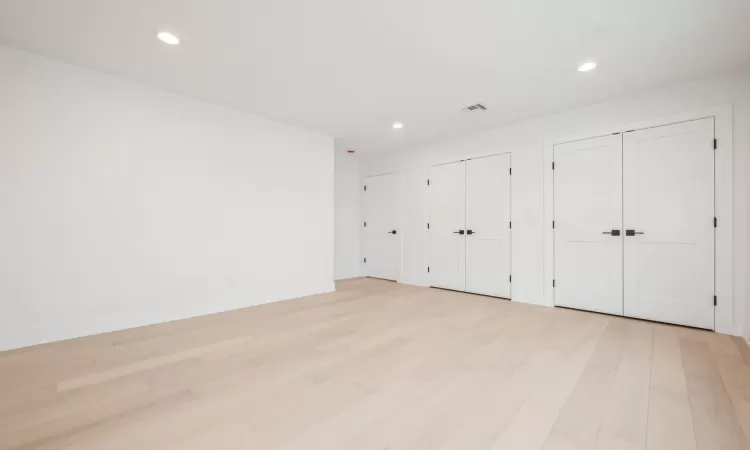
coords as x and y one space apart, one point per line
634 224
470 226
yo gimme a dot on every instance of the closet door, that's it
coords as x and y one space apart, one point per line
488 226
382 241
447 219
669 214
588 224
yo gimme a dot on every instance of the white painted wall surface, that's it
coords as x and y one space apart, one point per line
526 141
348 215
123 205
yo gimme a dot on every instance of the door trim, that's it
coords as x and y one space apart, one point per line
724 319
469 157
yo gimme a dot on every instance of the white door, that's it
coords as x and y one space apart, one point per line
588 224
381 225
488 226
669 214
447 222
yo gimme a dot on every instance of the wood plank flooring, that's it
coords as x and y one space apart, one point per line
378 365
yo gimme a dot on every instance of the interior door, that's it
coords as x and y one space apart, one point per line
669 218
447 219
488 226
381 224
588 224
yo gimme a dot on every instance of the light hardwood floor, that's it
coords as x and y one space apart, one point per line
379 365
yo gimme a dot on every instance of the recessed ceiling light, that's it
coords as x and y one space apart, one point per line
168 38
398 125
585 67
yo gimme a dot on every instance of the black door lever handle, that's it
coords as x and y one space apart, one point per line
459 232
632 232
469 232
392 232
613 232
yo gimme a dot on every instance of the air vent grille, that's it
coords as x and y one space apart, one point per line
477 107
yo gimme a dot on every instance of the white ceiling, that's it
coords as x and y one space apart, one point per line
349 68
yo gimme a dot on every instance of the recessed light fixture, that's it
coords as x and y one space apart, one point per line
587 66
398 125
168 38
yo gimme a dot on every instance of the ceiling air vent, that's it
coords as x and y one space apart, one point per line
477 107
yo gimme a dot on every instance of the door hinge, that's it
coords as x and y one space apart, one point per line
714 300
510 171
553 282
716 222
365 260
428 225
365 224
510 224
428 182
428 269
510 278
365 187
553 165
553 224
716 144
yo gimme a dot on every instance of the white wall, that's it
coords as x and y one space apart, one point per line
123 205
348 219
526 141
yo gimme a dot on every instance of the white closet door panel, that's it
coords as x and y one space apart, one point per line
588 204
382 246
447 212
488 221
669 197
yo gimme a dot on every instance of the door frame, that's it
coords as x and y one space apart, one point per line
724 320
362 231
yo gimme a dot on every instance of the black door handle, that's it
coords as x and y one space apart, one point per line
469 232
459 232
632 232
613 232
392 232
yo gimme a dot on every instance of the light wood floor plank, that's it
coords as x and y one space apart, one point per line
743 347
625 419
716 425
578 425
670 423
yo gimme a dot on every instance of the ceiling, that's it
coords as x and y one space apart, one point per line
350 68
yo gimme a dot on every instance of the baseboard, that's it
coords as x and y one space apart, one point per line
13 338
353 277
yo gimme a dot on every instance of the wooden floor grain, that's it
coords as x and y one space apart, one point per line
378 365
